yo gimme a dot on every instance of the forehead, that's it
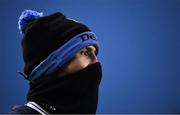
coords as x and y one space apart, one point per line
92 48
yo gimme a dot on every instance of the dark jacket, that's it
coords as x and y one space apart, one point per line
23 109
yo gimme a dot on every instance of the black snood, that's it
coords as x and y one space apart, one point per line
76 93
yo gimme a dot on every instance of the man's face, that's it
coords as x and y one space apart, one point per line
81 60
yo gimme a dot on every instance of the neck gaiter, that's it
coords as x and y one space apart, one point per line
76 93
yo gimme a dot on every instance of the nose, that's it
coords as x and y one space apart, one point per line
93 59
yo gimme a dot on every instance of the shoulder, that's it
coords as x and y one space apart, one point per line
22 109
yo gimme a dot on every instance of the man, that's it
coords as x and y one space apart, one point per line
60 63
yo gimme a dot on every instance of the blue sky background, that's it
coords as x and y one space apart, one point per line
140 51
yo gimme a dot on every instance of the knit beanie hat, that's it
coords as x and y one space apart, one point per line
43 35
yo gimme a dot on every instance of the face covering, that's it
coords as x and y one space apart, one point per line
76 93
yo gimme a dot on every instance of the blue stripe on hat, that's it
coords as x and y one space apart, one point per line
63 54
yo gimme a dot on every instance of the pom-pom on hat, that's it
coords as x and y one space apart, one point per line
27 17
44 34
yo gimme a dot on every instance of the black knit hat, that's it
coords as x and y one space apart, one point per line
43 35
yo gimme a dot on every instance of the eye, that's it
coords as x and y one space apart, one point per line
91 52
84 52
